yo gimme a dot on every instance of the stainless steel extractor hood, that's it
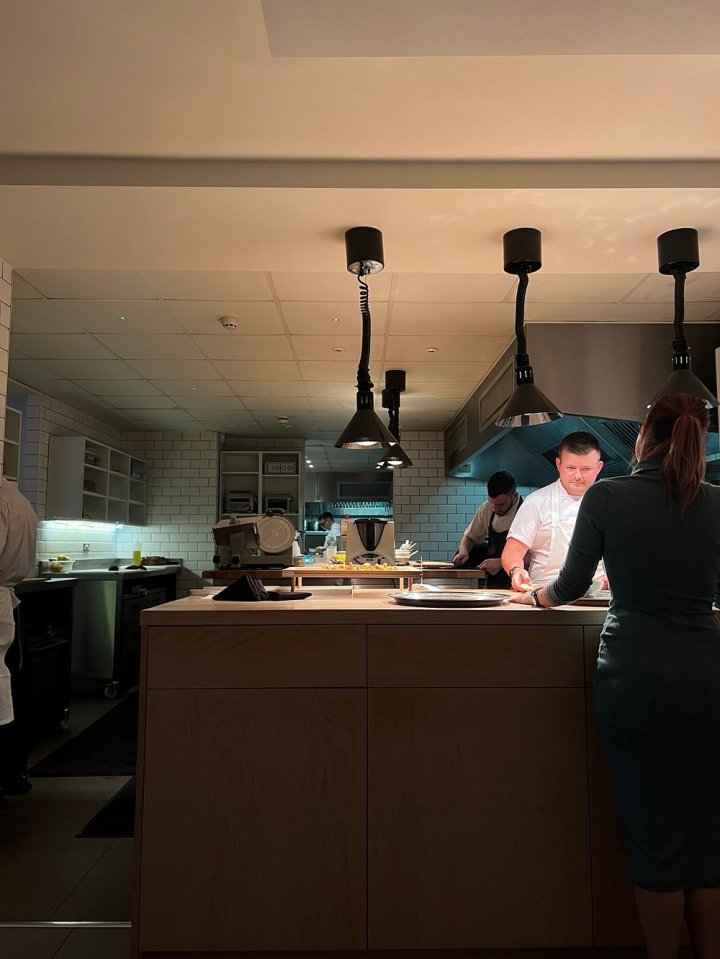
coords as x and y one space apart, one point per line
600 375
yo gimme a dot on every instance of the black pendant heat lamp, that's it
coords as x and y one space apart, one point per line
365 431
395 458
677 256
527 406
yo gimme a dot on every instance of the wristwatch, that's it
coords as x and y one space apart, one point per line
536 599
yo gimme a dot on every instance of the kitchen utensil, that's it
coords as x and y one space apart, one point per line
437 565
457 598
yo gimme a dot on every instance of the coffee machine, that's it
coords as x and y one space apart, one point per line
255 542
370 540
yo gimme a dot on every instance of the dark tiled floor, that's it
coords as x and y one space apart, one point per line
47 874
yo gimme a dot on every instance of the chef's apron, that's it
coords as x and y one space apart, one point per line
8 602
496 545
560 536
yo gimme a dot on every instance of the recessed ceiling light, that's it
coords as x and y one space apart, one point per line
431 349
311 467
336 319
122 317
338 349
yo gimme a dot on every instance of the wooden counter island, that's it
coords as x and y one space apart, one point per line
343 774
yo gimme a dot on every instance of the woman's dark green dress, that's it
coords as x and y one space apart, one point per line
657 688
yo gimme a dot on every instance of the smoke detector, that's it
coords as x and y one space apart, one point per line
283 421
229 322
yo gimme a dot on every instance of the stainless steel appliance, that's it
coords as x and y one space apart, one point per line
240 501
281 501
255 542
370 540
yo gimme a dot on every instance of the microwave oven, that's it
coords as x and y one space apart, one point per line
281 501
240 502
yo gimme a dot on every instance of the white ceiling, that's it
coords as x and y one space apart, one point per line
212 166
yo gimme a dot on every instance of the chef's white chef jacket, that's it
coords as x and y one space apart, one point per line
334 532
18 524
545 534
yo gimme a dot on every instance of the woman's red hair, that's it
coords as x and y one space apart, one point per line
674 432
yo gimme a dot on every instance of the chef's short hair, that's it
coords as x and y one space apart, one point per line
327 516
580 443
500 484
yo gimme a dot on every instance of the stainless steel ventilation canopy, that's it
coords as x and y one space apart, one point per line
600 375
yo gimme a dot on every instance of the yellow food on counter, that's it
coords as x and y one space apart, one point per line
355 566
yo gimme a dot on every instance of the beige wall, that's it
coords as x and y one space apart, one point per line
5 309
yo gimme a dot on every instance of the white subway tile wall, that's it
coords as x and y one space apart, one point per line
430 508
5 308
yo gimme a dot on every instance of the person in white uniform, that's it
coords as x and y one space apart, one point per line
544 524
18 524
332 529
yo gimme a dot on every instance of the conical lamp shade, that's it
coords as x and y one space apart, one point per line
527 407
685 381
395 459
365 431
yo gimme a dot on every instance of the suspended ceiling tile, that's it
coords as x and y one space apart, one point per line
452 319
77 346
93 369
203 316
257 370
421 372
270 388
426 421
22 290
340 286
166 419
130 402
329 348
658 312
199 401
230 345
43 316
176 369
406 348
428 404
285 405
564 312
658 288
454 390
170 346
452 287
119 316
110 388
332 369
205 387
90 284
580 287
30 371
330 404
233 413
208 285
332 318
340 390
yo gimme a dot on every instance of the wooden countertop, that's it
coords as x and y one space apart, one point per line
363 606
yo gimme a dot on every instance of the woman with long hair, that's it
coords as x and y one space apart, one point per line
657 686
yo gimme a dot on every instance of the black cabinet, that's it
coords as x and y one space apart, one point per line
41 655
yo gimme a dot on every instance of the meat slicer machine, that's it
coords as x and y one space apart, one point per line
255 542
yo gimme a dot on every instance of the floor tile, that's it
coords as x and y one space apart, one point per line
35 882
52 814
96 944
32 943
104 892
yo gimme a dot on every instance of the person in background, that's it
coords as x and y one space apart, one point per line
658 671
492 520
544 523
332 528
18 524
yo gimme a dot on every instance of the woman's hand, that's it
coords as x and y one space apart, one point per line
525 599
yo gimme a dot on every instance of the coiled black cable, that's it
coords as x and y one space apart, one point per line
364 383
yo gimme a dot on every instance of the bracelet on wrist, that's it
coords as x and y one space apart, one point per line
535 593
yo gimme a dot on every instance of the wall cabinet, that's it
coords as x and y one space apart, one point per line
11 446
91 481
262 480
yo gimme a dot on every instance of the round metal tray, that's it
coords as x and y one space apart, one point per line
449 597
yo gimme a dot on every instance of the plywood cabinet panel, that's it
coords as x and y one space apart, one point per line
253 828
477 819
255 656
475 656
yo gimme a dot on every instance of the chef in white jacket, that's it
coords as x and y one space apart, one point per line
544 524
18 524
